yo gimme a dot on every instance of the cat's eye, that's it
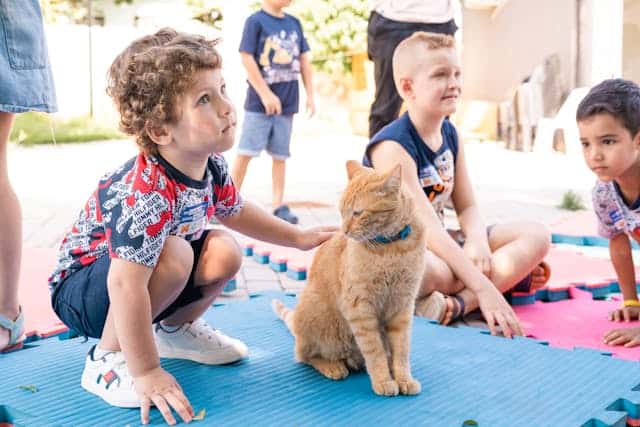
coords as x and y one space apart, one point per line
356 213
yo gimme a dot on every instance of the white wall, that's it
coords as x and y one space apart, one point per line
500 51
69 55
631 41
600 41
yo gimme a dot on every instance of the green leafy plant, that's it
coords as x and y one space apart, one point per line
572 201
335 30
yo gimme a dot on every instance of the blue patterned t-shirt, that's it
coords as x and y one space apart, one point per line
276 44
614 215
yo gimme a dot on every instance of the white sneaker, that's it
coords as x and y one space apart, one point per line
199 342
108 378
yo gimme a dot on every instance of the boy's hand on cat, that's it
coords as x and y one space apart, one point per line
629 337
496 310
480 255
160 388
626 313
312 237
271 103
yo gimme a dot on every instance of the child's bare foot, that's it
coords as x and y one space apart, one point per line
540 275
629 337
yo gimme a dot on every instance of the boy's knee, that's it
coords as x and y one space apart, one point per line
230 254
221 258
176 259
541 236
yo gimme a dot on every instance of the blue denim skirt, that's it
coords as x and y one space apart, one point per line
26 82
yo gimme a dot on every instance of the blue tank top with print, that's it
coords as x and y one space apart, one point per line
436 169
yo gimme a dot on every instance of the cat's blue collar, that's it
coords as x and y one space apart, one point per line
402 235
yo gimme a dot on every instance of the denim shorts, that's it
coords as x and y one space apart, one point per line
26 82
81 300
261 131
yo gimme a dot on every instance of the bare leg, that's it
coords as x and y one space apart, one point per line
398 332
239 170
278 176
10 232
166 282
517 249
219 261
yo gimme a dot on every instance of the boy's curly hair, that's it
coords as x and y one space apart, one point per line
147 79
618 97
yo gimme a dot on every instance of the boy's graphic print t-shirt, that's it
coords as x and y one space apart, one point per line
436 169
136 208
276 44
614 215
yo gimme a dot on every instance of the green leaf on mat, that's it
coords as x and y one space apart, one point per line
29 387
200 415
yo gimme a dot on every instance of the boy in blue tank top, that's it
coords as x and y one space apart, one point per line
466 268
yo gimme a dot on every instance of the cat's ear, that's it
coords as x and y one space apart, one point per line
393 178
352 168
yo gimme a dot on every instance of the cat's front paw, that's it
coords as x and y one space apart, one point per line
409 386
385 388
335 371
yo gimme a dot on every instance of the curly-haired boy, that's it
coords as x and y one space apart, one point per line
139 253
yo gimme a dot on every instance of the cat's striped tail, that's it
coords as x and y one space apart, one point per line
283 312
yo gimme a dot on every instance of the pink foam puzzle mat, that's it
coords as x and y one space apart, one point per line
570 268
579 228
579 321
35 298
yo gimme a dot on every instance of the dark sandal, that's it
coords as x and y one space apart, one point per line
458 309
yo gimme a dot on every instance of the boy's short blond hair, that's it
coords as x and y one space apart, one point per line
409 53
148 78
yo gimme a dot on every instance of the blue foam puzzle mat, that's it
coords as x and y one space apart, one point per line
261 258
465 375
297 274
584 240
278 266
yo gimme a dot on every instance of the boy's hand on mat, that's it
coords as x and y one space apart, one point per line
497 311
271 103
480 255
158 387
629 337
627 314
312 237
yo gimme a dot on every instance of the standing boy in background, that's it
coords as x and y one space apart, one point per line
609 124
274 51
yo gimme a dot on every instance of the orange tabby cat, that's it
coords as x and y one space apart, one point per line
358 305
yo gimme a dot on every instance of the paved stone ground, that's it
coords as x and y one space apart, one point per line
53 183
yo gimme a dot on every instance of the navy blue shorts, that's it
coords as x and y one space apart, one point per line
81 300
